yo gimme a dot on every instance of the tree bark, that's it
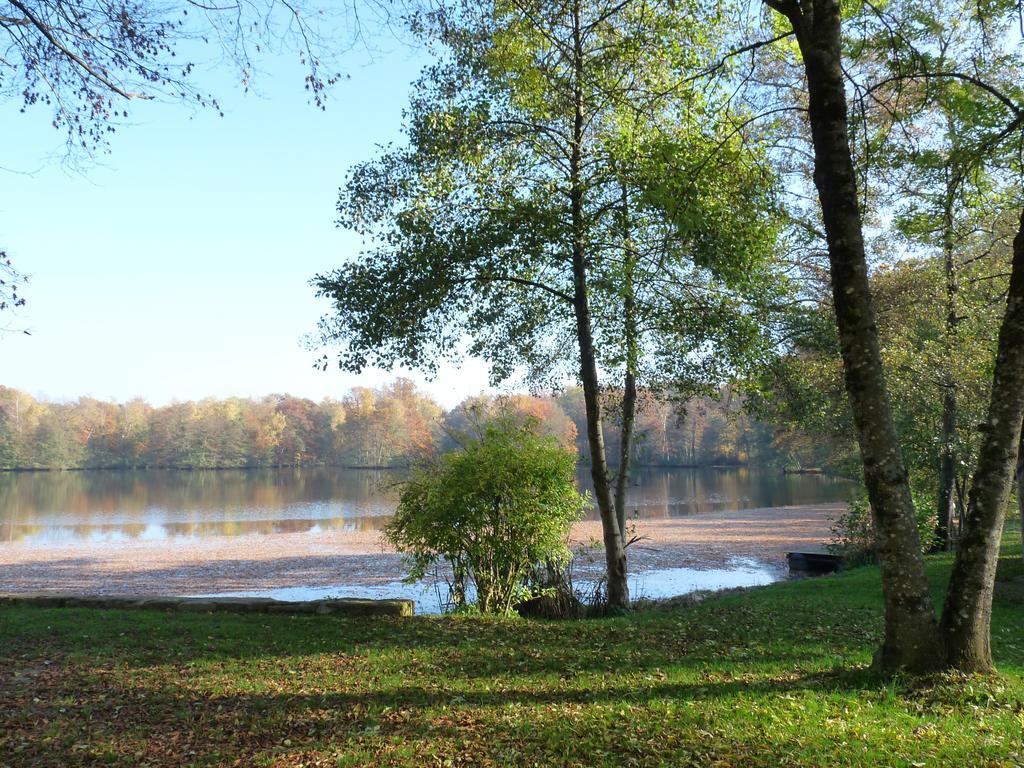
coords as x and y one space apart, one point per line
911 638
615 553
968 611
947 463
946 508
625 450
629 382
1020 489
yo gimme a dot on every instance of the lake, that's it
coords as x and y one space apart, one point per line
52 508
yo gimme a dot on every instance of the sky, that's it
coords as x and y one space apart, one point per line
178 266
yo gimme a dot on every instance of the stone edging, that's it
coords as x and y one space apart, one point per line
339 607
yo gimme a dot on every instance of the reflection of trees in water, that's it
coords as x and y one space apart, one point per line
13 531
136 504
658 493
155 504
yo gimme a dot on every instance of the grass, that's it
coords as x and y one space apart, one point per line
772 677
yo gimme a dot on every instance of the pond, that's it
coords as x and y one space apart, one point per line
55 508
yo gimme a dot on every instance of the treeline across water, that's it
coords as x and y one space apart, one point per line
394 425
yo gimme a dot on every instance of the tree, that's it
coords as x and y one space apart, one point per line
991 110
492 511
393 425
911 638
9 280
937 427
967 613
545 414
296 443
1020 488
388 426
944 196
551 207
804 394
412 423
86 61
133 425
19 416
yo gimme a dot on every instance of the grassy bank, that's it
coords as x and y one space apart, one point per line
775 676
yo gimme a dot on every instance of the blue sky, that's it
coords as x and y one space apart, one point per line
178 266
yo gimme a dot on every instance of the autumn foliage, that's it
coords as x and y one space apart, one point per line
394 425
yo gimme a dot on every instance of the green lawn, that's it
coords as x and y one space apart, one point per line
775 676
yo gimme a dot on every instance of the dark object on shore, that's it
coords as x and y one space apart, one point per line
803 471
813 563
340 607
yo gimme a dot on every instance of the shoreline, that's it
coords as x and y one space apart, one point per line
391 468
263 562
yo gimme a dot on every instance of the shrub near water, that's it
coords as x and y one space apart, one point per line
853 532
491 511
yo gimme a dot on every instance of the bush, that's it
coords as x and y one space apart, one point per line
552 594
853 532
491 511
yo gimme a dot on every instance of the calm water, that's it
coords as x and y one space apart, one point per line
56 507
430 597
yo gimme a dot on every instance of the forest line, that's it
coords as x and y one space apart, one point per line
394 425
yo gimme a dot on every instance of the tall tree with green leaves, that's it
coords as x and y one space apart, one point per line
558 207
912 638
943 182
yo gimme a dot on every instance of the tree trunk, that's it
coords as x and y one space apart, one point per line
911 638
615 553
625 450
968 611
1020 489
629 383
947 463
946 509
693 442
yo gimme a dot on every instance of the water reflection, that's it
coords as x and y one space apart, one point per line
669 582
42 507
112 506
658 492
431 597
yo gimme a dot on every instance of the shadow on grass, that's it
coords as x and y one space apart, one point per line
216 688
733 632
85 704
783 624
125 723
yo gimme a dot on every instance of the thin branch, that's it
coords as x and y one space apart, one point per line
519 281
44 29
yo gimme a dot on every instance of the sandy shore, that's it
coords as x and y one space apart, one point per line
263 562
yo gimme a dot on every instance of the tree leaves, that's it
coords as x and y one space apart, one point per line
497 507
468 225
